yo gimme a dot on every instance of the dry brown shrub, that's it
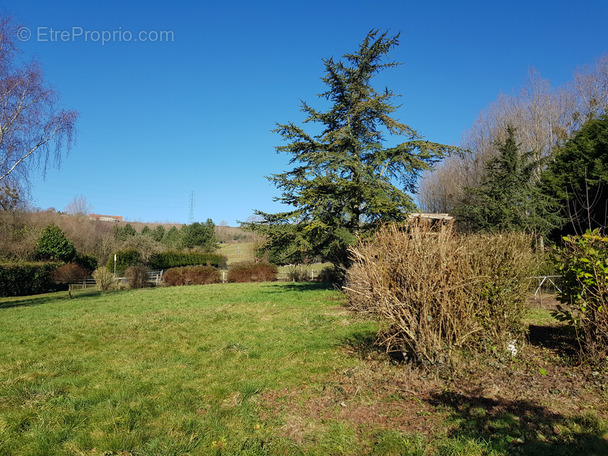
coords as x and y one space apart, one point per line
69 273
174 277
192 275
438 291
137 276
202 275
103 278
252 272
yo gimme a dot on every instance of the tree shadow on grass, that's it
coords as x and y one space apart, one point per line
364 345
559 339
300 286
519 427
39 300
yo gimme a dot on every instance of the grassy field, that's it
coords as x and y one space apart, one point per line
236 253
243 252
273 368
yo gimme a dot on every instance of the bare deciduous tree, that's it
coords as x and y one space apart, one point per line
34 130
543 116
78 206
591 88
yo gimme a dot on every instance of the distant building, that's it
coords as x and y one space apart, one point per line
106 218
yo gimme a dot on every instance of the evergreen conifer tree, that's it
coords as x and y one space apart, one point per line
509 198
346 178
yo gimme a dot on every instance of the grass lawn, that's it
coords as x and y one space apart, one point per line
237 253
273 368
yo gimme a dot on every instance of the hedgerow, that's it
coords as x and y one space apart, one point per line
252 272
192 275
173 259
124 259
22 279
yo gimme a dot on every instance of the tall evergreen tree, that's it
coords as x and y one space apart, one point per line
199 235
508 198
346 179
577 178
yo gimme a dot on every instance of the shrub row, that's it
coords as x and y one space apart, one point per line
436 292
192 275
167 260
24 279
252 272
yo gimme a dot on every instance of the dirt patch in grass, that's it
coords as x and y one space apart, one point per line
542 401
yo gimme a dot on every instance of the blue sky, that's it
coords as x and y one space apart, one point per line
159 120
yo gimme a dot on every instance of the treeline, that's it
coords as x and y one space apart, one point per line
532 161
20 230
44 251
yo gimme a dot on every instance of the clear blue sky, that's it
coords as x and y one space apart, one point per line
159 120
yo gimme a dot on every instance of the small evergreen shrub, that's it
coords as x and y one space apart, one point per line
23 279
192 275
54 246
583 264
252 272
137 276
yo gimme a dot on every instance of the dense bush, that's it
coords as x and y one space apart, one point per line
436 291
24 279
192 275
173 259
124 259
252 272
199 235
86 261
69 273
583 264
54 246
137 276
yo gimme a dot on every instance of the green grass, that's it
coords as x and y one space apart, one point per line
237 253
158 371
247 369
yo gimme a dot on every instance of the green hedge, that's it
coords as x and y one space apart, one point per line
124 260
23 279
168 260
